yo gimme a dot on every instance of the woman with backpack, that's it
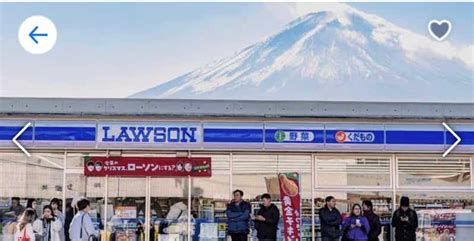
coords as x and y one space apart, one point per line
24 230
356 226
48 227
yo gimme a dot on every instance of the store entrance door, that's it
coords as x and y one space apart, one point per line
147 197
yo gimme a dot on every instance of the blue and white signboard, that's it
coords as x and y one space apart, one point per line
413 137
294 136
271 135
65 133
233 135
156 134
466 133
354 136
8 130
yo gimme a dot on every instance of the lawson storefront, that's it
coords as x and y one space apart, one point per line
170 165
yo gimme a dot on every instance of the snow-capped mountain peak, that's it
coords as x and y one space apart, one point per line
345 54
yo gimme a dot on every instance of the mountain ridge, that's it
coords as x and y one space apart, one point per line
333 55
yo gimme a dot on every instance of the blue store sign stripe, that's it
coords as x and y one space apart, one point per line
65 133
8 132
233 135
415 137
467 138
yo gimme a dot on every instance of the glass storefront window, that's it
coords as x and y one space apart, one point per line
442 215
348 171
76 160
258 174
126 209
169 209
93 188
382 204
209 199
24 179
434 172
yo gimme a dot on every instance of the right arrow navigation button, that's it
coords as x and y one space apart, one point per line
458 139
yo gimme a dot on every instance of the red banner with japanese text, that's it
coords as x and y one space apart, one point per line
291 203
148 166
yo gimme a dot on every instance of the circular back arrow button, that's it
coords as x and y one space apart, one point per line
37 34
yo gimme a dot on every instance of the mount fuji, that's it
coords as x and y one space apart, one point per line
341 55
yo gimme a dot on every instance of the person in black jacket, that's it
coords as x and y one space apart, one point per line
330 220
374 221
266 219
405 221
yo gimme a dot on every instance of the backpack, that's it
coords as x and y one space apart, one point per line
25 236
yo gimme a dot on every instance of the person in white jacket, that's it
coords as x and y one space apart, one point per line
55 203
48 227
24 230
82 228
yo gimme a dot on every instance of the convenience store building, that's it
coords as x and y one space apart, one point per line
353 151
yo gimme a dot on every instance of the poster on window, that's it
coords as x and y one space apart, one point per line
148 166
126 212
291 203
437 225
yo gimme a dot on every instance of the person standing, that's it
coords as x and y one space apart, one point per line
266 219
48 227
16 208
405 221
69 215
24 230
33 204
81 226
55 204
330 220
374 220
356 226
238 217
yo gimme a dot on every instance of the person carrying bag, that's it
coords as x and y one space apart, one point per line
82 228
24 230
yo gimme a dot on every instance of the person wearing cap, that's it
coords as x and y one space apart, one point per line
405 221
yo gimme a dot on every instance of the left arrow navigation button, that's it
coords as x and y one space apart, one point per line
17 143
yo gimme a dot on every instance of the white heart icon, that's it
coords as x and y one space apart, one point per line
439 29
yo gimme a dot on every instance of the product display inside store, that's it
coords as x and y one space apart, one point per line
120 204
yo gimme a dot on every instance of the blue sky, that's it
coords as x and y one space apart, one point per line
117 49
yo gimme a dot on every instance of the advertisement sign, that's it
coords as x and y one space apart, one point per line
126 212
291 203
437 225
148 166
148 134
294 136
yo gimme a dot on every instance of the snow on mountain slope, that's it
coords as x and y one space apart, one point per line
334 55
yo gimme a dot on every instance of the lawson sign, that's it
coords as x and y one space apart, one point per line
149 134
236 135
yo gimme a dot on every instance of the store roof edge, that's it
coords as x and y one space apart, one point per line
233 108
